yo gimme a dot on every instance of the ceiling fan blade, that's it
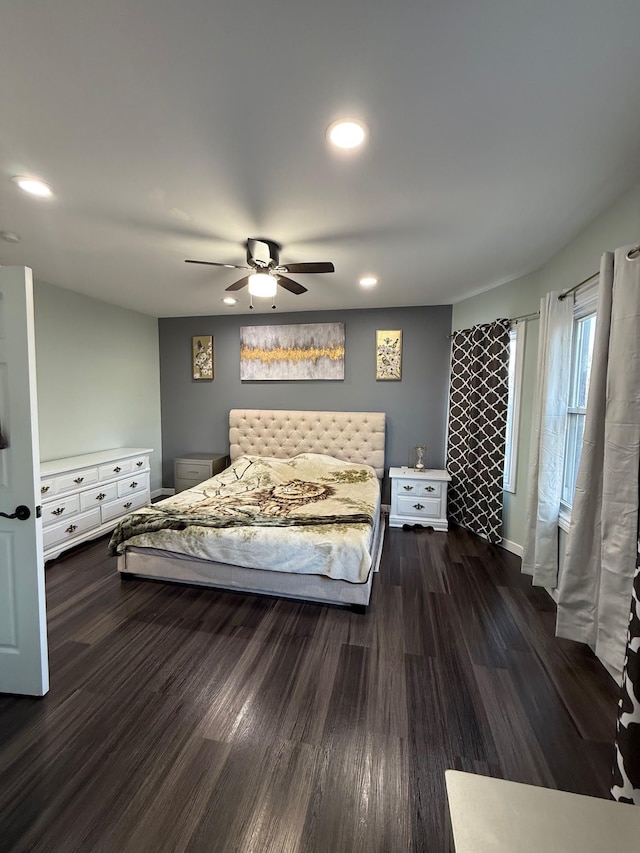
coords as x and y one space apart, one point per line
238 285
214 264
322 266
291 286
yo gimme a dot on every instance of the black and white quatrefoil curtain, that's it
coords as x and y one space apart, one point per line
477 424
626 768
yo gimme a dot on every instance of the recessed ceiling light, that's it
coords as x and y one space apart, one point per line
368 281
347 133
9 237
33 186
229 300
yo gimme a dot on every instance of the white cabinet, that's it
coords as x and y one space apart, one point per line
85 496
194 468
419 497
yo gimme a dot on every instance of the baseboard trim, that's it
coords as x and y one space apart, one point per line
512 547
162 493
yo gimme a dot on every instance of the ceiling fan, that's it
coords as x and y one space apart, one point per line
263 258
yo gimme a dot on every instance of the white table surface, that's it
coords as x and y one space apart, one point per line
495 816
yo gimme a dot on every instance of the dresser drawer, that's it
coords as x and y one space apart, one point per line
47 487
420 507
427 488
140 464
55 510
195 470
112 469
98 496
135 483
122 507
71 528
69 482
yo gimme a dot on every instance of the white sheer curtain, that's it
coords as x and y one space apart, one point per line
540 557
597 575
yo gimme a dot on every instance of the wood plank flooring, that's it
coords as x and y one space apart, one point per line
183 719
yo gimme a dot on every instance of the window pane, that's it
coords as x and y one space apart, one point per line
573 450
585 332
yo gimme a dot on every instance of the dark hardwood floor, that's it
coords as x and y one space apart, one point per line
190 719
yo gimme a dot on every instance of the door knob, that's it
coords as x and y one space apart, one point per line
22 513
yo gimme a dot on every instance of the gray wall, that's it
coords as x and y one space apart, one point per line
195 413
98 376
618 226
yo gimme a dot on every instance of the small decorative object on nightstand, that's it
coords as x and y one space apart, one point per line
419 497
193 468
419 456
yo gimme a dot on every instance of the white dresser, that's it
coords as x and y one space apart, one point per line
85 496
419 497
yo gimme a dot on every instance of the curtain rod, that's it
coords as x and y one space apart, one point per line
565 293
510 320
632 254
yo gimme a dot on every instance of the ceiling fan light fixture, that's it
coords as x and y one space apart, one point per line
262 284
347 133
33 186
368 281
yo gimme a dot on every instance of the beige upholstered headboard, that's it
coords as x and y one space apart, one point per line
351 436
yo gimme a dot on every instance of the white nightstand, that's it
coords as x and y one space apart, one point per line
194 468
419 497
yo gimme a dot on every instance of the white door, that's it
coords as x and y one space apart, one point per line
24 665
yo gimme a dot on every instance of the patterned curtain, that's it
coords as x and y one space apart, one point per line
626 770
477 425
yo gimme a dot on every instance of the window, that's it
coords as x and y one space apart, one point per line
583 336
516 360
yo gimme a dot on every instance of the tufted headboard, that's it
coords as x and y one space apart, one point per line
351 436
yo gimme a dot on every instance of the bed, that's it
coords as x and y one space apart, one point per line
302 492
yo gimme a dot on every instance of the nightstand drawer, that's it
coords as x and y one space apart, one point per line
425 489
420 506
194 470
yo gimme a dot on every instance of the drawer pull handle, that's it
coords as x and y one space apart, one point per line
133 485
408 488
139 464
117 469
44 489
101 496
429 488
71 528
79 480
418 506
57 511
128 504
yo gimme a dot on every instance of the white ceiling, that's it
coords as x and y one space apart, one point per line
178 128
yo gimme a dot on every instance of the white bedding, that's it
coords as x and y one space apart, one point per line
257 495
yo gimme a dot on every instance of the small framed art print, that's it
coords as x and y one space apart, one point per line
202 356
388 354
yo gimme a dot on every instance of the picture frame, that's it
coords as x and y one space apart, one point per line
202 357
388 355
297 352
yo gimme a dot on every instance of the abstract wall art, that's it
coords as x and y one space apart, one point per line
295 352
